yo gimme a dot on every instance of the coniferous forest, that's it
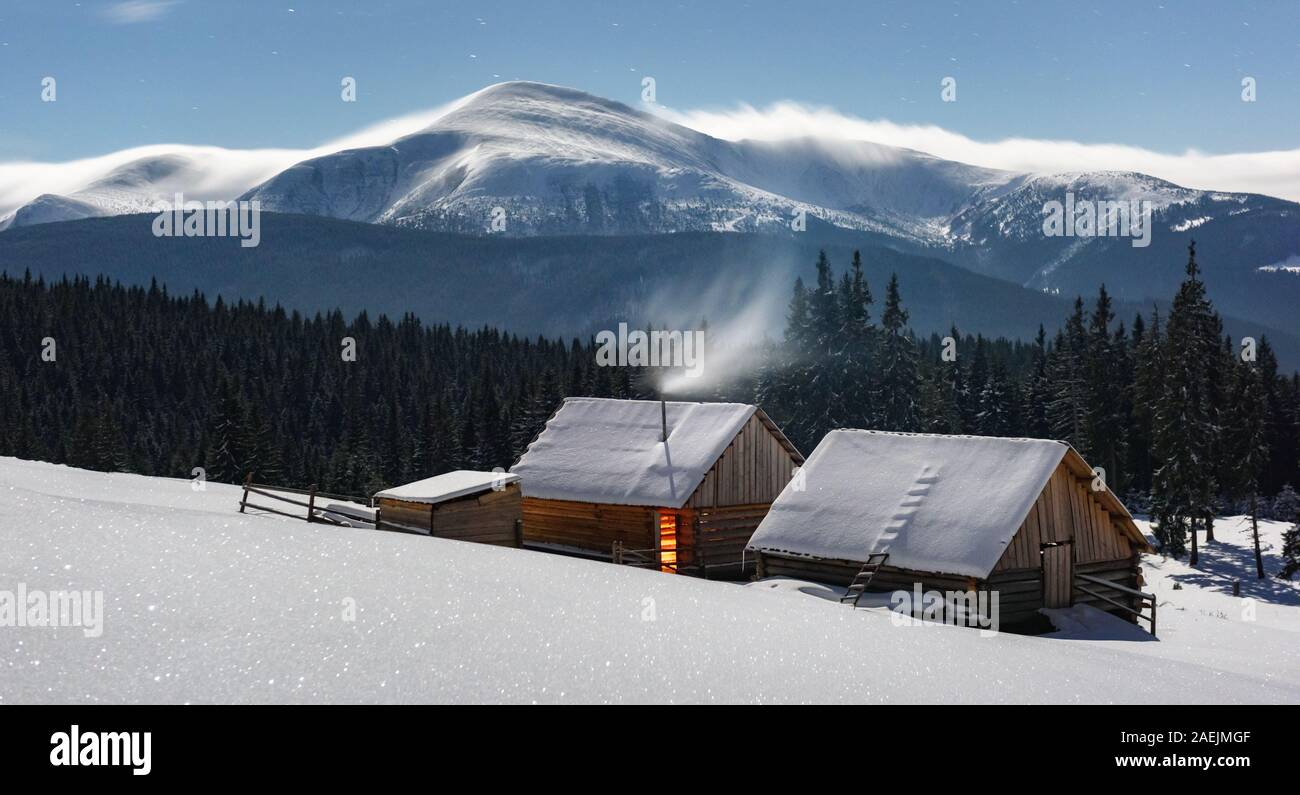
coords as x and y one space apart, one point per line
1184 421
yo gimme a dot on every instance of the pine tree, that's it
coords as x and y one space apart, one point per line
1290 552
1148 381
898 392
1037 391
858 335
822 401
786 368
1247 447
1105 381
1184 431
1286 505
995 417
1067 409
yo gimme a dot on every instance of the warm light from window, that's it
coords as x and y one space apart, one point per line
667 542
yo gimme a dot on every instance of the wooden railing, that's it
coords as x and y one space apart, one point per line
643 558
1145 601
314 513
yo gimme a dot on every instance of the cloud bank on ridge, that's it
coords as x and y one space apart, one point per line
220 173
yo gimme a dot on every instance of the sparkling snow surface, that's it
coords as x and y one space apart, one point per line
205 605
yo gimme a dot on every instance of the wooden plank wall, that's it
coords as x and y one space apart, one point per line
1066 510
1020 594
841 572
753 469
722 535
487 518
588 526
1058 576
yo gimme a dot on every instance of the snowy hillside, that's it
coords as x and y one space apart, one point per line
202 604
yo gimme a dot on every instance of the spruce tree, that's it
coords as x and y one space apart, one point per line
1148 382
1247 447
1184 430
858 343
1067 409
1105 380
1037 390
898 393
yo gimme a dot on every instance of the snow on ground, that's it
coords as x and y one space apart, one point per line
205 605
1200 621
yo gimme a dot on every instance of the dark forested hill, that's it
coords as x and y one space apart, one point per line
545 285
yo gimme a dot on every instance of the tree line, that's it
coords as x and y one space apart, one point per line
1183 421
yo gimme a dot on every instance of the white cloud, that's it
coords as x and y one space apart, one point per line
216 172
1273 173
213 172
133 11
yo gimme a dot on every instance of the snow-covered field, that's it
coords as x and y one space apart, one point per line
202 604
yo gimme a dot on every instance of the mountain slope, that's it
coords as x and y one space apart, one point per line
553 285
556 285
562 161
544 160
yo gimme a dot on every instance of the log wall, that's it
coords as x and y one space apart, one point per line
1020 594
588 526
720 538
487 518
840 573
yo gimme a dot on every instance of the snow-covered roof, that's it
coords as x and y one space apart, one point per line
449 486
611 451
935 503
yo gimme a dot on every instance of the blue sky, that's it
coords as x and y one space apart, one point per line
1165 76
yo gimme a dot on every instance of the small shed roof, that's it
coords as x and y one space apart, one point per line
449 486
611 451
935 503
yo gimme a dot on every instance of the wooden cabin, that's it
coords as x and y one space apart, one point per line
670 485
1016 516
483 507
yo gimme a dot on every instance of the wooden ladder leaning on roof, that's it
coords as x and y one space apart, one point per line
863 578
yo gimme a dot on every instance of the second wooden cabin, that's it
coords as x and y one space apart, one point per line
465 505
1024 517
677 486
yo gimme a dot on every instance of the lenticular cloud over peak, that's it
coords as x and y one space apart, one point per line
1275 173
216 172
201 172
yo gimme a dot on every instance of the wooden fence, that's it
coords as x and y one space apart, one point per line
1139 604
642 558
314 512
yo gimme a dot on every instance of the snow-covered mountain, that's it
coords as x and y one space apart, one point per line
542 159
562 161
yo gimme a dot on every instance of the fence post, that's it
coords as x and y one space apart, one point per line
248 481
617 553
519 533
311 503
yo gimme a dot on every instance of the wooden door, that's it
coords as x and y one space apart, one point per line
1058 574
